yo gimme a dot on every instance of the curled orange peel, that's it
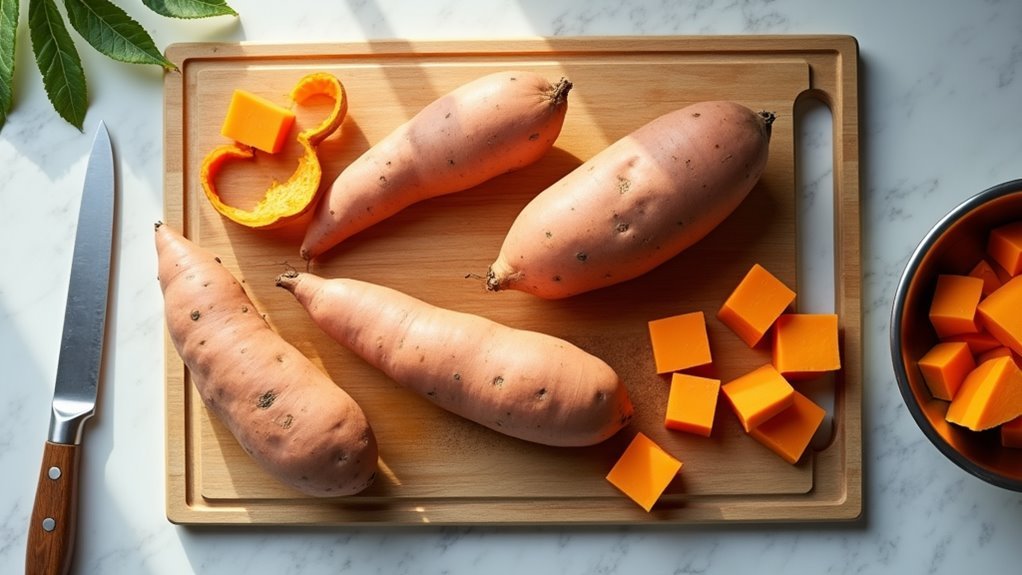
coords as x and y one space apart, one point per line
287 201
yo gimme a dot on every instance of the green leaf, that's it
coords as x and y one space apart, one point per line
111 31
190 8
57 58
8 38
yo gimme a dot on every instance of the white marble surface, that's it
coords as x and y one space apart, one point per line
941 111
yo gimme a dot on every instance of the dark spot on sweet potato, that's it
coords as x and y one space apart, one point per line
557 278
202 342
266 400
450 161
548 234
431 393
287 422
498 381
244 309
218 260
457 376
621 227
533 137
332 212
696 114
623 185
196 315
581 256
541 393
601 396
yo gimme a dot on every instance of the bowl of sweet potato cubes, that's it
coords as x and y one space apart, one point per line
956 335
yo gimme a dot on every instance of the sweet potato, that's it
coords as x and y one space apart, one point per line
520 383
637 203
296 423
492 125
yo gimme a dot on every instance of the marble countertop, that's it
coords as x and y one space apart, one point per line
941 91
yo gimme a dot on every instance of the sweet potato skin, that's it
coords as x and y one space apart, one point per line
296 423
492 125
520 383
636 204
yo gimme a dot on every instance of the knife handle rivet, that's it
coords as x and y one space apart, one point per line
49 524
53 473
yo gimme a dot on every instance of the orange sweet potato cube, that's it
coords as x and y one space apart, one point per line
953 308
692 403
257 122
806 344
1001 314
758 395
755 304
789 432
680 342
1004 246
1011 433
644 471
990 395
944 368
984 271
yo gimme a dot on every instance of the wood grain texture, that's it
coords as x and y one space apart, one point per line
51 532
437 468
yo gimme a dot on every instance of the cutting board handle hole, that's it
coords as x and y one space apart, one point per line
814 181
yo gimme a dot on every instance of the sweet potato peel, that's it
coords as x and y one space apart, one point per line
286 201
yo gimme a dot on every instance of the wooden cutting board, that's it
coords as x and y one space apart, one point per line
436 467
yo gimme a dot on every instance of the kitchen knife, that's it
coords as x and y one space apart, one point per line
51 534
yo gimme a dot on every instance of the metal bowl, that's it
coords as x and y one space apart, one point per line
953 245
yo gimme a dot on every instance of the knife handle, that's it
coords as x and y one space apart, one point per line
51 534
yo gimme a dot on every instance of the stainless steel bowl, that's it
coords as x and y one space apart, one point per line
953 245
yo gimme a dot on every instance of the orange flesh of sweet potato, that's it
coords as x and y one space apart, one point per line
520 383
296 423
637 203
492 125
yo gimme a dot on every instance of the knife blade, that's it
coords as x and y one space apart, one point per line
51 533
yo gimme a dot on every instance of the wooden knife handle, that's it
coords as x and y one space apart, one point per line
51 535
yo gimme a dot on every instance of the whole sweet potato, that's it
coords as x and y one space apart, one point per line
637 203
520 383
296 423
492 125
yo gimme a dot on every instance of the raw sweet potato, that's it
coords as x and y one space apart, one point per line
492 125
637 203
524 384
296 423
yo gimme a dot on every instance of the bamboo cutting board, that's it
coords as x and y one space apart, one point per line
437 468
